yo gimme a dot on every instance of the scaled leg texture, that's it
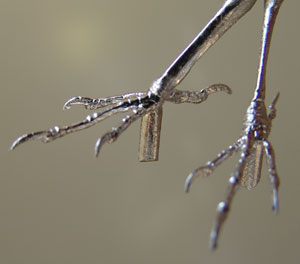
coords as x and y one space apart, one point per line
253 142
144 104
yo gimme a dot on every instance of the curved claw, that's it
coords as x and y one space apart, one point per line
78 100
188 182
196 97
108 137
275 205
42 135
98 146
219 87
200 172
213 240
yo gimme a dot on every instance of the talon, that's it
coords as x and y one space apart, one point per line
220 87
213 240
200 172
98 146
69 103
275 205
77 100
26 137
228 90
188 182
225 88
99 143
19 141
88 103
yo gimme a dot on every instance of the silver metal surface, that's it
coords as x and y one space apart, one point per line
227 16
162 89
254 138
148 106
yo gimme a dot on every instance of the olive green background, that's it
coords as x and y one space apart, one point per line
59 204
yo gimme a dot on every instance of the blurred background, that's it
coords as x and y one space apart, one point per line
59 204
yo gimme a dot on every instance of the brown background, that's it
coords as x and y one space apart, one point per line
59 204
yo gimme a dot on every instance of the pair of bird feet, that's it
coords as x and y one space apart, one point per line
253 142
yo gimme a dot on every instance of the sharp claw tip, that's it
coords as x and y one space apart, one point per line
213 244
12 147
187 187
229 91
97 147
188 182
66 107
275 204
275 209
16 143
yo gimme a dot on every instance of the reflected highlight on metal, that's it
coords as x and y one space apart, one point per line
254 139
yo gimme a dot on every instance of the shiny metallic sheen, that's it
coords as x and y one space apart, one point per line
254 139
224 19
162 89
